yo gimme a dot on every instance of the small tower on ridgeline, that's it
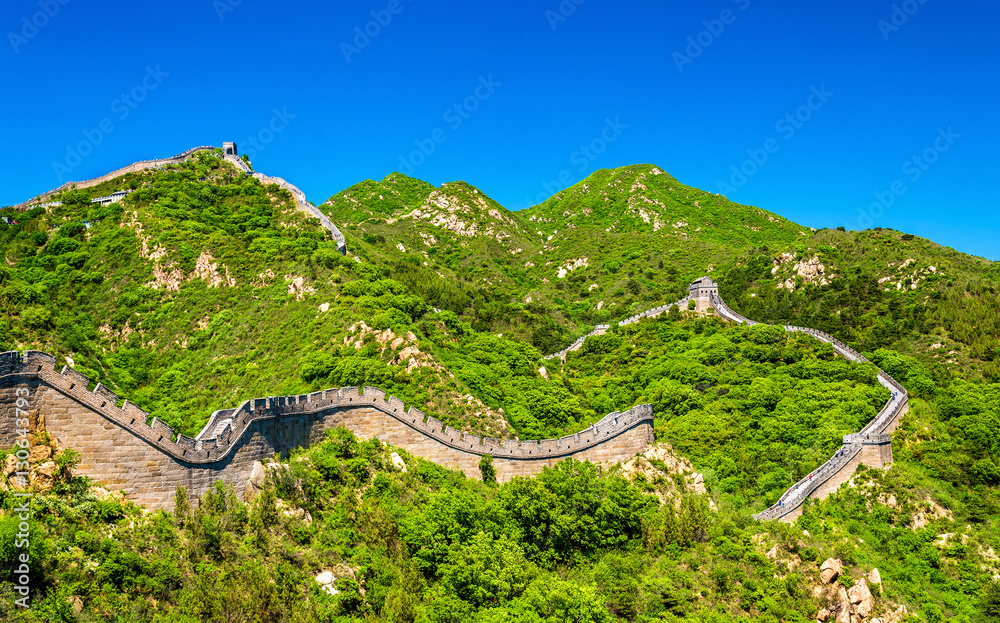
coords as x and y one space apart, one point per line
229 149
701 292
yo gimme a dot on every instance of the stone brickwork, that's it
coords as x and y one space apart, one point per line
120 450
872 446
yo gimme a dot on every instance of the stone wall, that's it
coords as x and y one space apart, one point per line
871 447
132 168
120 450
601 329
300 200
300 197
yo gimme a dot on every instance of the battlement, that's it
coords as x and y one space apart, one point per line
226 428
601 329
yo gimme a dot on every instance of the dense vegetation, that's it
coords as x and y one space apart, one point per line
426 544
755 407
204 288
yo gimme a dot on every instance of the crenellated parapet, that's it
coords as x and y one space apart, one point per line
121 446
298 196
601 329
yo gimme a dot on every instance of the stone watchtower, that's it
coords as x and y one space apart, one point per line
701 292
229 149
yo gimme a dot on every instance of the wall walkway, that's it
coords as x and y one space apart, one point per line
300 200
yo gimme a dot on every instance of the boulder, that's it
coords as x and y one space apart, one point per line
861 598
9 465
39 454
830 570
326 581
398 462
843 606
898 615
772 553
76 604
823 615
255 483
43 477
875 580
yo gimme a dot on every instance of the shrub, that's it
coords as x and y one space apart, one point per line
487 470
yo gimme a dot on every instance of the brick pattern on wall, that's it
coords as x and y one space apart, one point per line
120 450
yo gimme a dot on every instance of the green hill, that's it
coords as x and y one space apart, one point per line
204 287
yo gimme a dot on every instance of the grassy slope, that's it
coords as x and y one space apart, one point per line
83 293
625 239
886 289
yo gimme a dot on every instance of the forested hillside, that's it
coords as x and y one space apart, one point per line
203 288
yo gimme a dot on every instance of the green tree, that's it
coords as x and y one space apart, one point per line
487 470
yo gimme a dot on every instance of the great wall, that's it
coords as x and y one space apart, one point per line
297 195
229 154
147 461
120 450
872 446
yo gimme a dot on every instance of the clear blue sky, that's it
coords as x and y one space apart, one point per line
220 69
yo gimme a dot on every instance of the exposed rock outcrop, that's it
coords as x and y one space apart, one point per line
662 467
856 604
830 570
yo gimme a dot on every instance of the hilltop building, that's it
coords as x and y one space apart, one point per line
229 148
701 292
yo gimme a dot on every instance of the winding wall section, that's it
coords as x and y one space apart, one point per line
872 446
132 168
601 329
120 450
300 200
298 195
